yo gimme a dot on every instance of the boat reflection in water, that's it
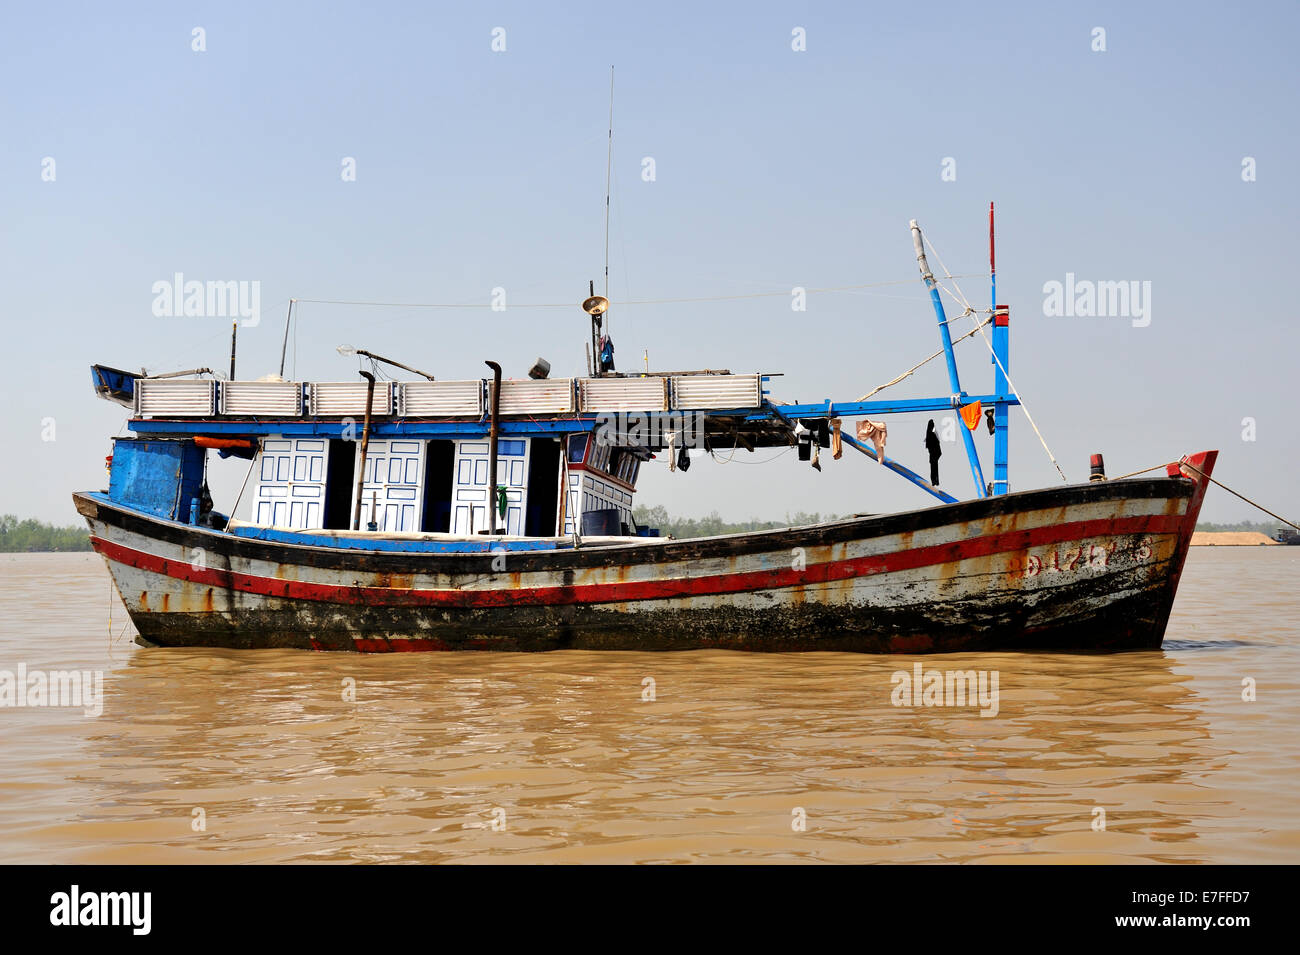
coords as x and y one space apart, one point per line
560 757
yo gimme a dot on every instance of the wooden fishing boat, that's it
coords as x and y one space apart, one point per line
500 518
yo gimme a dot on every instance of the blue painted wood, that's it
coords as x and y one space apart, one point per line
156 477
1001 416
945 339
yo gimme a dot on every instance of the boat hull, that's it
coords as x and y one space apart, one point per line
1081 567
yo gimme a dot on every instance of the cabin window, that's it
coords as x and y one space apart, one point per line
577 448
626 464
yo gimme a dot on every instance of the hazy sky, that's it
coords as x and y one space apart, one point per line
773 168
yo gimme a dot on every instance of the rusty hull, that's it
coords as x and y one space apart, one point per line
1081 567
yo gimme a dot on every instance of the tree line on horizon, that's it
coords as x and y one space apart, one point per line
1263 527
31 535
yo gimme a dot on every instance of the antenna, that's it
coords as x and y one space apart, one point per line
609 159
284 347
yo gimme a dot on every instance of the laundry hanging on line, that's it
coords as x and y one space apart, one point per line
933 448
971 414
876 432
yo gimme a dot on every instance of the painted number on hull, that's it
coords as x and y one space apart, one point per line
1090 556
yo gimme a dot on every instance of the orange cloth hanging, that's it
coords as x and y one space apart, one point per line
971 414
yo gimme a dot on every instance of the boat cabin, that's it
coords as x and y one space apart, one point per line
568 451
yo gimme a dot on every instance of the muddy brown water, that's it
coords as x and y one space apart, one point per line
227 756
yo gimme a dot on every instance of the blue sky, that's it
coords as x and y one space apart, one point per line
775 168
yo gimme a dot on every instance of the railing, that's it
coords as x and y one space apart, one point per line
179 397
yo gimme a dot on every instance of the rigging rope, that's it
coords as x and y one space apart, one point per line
909 371
1014 390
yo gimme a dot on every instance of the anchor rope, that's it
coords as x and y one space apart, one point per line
1136 473
1193 467
1242 496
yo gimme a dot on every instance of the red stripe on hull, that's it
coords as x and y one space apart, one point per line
1008 542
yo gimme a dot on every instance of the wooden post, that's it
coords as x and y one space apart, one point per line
492 446
365 441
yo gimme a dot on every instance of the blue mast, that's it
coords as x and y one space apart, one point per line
1001 350
954 381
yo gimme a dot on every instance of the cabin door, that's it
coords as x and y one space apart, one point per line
290 489
394 473
470 498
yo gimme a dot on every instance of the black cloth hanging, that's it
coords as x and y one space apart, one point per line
932 447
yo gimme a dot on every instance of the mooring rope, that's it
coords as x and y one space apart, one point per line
1242 496
1193 467
1136 473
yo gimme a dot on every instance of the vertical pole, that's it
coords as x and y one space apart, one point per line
492 446
609 159
561 515
234 331
595 335
1001 352
284 346
945 339
365 443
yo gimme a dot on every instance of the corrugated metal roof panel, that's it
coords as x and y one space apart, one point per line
623 394
330 398
441 398
174 397
716 391
261 397
537 396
